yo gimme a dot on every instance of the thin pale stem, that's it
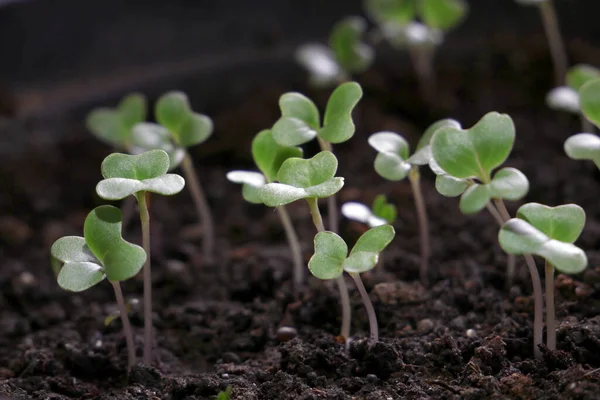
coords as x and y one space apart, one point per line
332 210
294 243
586 125
127 331
538 304
555 41
343 289
550 311
502 209
202 207
373 328
511 259
415 183
422 61
145 219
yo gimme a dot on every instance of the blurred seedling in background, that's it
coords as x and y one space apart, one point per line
566 98
225 394
468 157
178 128
310 179
419 27
138 175
394 163
331 259
380 213
555 41
586 146
300 123
548 232
268 157
82 262
345 56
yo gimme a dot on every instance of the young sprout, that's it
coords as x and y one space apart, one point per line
548 232
268 157
139 175
380 213
589 95
393 162
345 56
469 156
311 180
82 262
115 126
566 98
184 128
555 42
419 27
300 123
331 259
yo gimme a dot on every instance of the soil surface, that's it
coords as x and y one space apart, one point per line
464 337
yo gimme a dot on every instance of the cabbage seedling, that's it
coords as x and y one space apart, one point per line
115 126
548 232
300 123
82 262
419 26
331 259
346 54
566 98
380 213
138 175
311 180
394 164
179 128
268 157
555 42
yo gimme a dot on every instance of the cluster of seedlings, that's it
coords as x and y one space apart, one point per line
467 163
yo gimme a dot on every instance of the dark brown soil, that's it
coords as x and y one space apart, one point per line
465 337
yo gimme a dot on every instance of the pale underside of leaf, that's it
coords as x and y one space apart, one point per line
319 61
361 213
360 261
119 188
79 276
391 166
278 194
584 146
291 132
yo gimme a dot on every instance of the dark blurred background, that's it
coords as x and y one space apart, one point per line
58 58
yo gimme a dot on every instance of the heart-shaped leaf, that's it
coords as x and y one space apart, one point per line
563 223
195 129
508 184
442 14
268 155
384 210
518 236
299 122
303 173
584 146
589 98
393 151
173 111
353 55
149 136
278 194
365 253
320 63
102 231
337 123
76 266
391 11
477 151
580 74
360 213
127 174
330 254
251 183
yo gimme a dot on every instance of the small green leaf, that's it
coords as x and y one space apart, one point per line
397 12
374 240
442 14
578 75
322 67
195 129
450 186
584 146
102 231
292 132
589 97
393 151
330 254
509 184
428 134
297 105
77 267
278 194
133 109
337 124
474 199
563 223
303 173
268 155
360 261
172 109
382 209
353 55
107 126
299 120
518 236
477 151
251 181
